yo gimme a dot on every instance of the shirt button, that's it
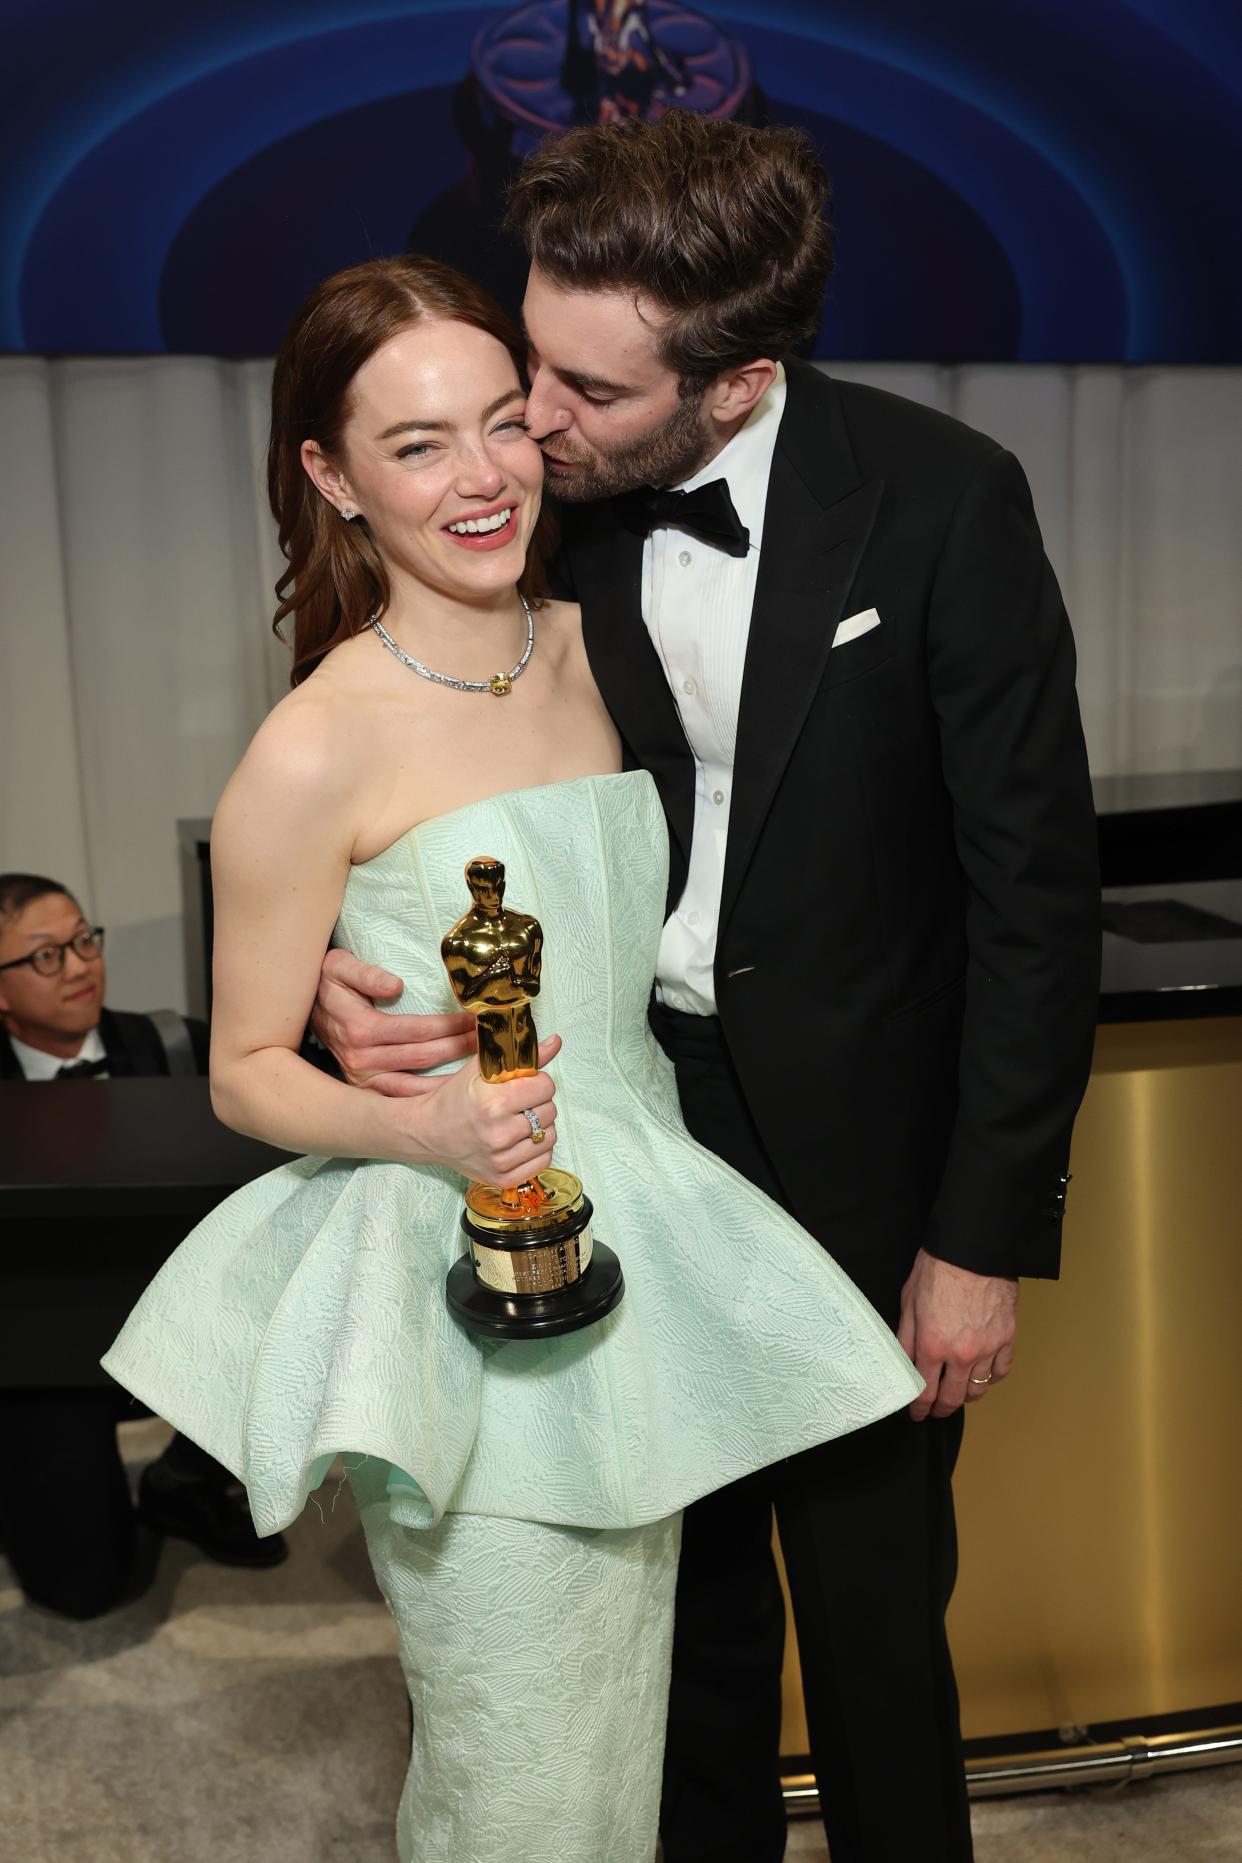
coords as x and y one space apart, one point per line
718 795
688 686
684 558
692 918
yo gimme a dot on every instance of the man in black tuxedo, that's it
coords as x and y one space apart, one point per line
66 1519
838 646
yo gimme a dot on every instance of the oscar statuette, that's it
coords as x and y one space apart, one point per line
533 1268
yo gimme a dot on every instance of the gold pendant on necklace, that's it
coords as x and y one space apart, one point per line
501 685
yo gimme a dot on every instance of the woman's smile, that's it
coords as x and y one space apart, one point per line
485 530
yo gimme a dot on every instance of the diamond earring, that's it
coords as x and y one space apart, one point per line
349 513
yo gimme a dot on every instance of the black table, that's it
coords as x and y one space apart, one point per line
1185 825
1171 865
99 1182
1172 952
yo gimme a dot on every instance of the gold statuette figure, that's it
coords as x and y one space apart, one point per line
533 1267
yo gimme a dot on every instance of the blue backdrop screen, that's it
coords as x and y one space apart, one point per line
1013 179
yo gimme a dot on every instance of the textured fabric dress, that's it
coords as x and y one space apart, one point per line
520 1500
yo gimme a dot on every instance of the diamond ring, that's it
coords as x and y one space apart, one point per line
536 1130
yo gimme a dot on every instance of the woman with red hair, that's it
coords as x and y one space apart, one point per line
521 1500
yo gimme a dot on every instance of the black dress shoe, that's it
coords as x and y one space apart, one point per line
212 1515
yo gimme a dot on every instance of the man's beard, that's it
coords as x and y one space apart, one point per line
671 452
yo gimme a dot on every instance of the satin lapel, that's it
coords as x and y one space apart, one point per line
816 525
608 574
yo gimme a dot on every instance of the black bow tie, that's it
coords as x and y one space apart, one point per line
707 512
80 1070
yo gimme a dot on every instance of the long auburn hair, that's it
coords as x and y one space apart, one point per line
336 580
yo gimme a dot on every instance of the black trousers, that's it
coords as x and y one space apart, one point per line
867 1531
67 1522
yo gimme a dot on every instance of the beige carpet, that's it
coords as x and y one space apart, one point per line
239 1717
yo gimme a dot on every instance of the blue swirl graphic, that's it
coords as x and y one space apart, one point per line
1037 180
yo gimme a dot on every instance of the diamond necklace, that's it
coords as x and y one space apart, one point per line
500 684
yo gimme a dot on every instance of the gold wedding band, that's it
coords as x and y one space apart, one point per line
986 1380
536 1130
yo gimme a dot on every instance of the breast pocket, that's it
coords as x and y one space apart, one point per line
862 642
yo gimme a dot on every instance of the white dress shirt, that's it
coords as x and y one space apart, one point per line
36 1065
696 604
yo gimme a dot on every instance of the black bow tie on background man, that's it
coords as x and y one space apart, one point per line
708 512
80 1070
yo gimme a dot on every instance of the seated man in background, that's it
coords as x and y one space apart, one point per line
67 1523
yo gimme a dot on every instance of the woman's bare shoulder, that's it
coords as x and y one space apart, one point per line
309 734
304 759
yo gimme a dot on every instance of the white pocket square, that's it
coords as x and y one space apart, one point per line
854 625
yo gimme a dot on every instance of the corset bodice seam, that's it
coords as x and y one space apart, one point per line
421 878
610 1060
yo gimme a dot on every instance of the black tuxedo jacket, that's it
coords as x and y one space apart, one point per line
131 1043
907 969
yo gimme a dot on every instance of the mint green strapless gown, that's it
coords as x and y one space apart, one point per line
521 1500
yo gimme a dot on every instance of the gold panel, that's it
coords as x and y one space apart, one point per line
1099 1500
794 1736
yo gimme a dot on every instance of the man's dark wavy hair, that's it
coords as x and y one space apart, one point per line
721 224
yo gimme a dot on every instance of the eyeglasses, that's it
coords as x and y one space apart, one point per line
49 959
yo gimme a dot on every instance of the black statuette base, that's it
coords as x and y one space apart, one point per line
495 1315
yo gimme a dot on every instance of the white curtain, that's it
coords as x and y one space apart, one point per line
137 559
136 556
